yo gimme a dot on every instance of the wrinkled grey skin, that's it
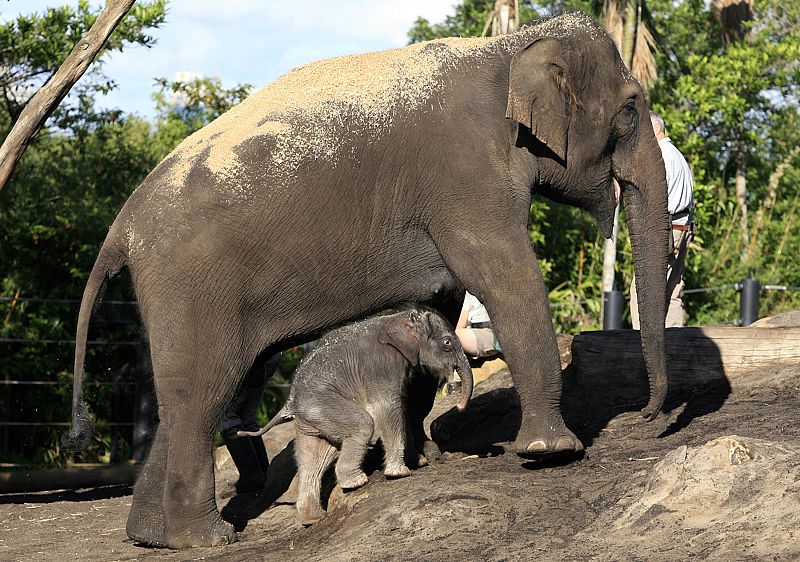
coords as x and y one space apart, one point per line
343 190
351 390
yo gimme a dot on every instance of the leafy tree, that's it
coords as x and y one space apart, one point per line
732 107
55 213
33 46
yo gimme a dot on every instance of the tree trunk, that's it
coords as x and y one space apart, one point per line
44 102
741 194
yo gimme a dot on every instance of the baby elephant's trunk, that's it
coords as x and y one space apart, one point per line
465 373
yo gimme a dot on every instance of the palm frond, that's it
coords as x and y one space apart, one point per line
644 61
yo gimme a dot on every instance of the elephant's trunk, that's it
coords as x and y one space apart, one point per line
645 200
465 373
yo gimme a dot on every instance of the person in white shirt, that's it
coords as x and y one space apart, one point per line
474 330
679 191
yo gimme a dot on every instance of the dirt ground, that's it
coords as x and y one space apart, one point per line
715 479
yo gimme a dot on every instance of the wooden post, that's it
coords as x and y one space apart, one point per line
695 356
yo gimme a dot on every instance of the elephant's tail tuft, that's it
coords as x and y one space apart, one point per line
109 262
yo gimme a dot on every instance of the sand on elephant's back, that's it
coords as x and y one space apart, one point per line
372 86
358 94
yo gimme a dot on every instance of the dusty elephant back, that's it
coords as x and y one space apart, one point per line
316 111
317 119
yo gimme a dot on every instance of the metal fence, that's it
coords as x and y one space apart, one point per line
21 385
749 290
137 417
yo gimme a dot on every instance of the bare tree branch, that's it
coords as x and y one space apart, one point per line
44 102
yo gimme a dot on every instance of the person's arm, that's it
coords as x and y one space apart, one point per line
466 335
463 318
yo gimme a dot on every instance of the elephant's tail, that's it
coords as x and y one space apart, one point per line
109 262
282 416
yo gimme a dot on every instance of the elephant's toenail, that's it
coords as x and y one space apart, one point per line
537 446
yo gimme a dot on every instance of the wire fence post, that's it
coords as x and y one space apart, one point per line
749 290
613 305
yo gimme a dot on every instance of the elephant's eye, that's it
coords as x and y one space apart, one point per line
627 119
447 343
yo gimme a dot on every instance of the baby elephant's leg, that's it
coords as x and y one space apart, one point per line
314 455
391 425
342 421
354 448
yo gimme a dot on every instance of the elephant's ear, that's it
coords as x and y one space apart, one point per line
539 95
402 333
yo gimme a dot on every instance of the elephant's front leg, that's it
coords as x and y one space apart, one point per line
390 425
500 268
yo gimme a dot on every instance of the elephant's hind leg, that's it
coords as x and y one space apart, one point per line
146 518
341 421
314 455
195 375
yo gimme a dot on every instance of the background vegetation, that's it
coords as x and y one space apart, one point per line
728 95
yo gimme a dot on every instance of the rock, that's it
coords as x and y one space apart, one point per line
784 319
713 491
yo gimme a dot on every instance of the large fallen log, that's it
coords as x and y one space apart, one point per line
695 356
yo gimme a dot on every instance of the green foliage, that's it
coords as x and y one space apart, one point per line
34 45
714 99
54 214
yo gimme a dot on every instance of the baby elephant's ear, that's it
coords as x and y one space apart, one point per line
401 333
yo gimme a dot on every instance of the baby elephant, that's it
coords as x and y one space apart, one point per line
350 391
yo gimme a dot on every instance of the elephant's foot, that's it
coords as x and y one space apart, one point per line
399 471
309 511
146 534
422 460
539 437
352 481
146 517
431 451
218 533
144 530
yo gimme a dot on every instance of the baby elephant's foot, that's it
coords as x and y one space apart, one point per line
309 512
400 471
351 482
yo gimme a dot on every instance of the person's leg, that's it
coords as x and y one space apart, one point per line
634 305
248 453
676 314
467 338
478 342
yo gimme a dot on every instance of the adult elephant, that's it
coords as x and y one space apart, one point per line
353 184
